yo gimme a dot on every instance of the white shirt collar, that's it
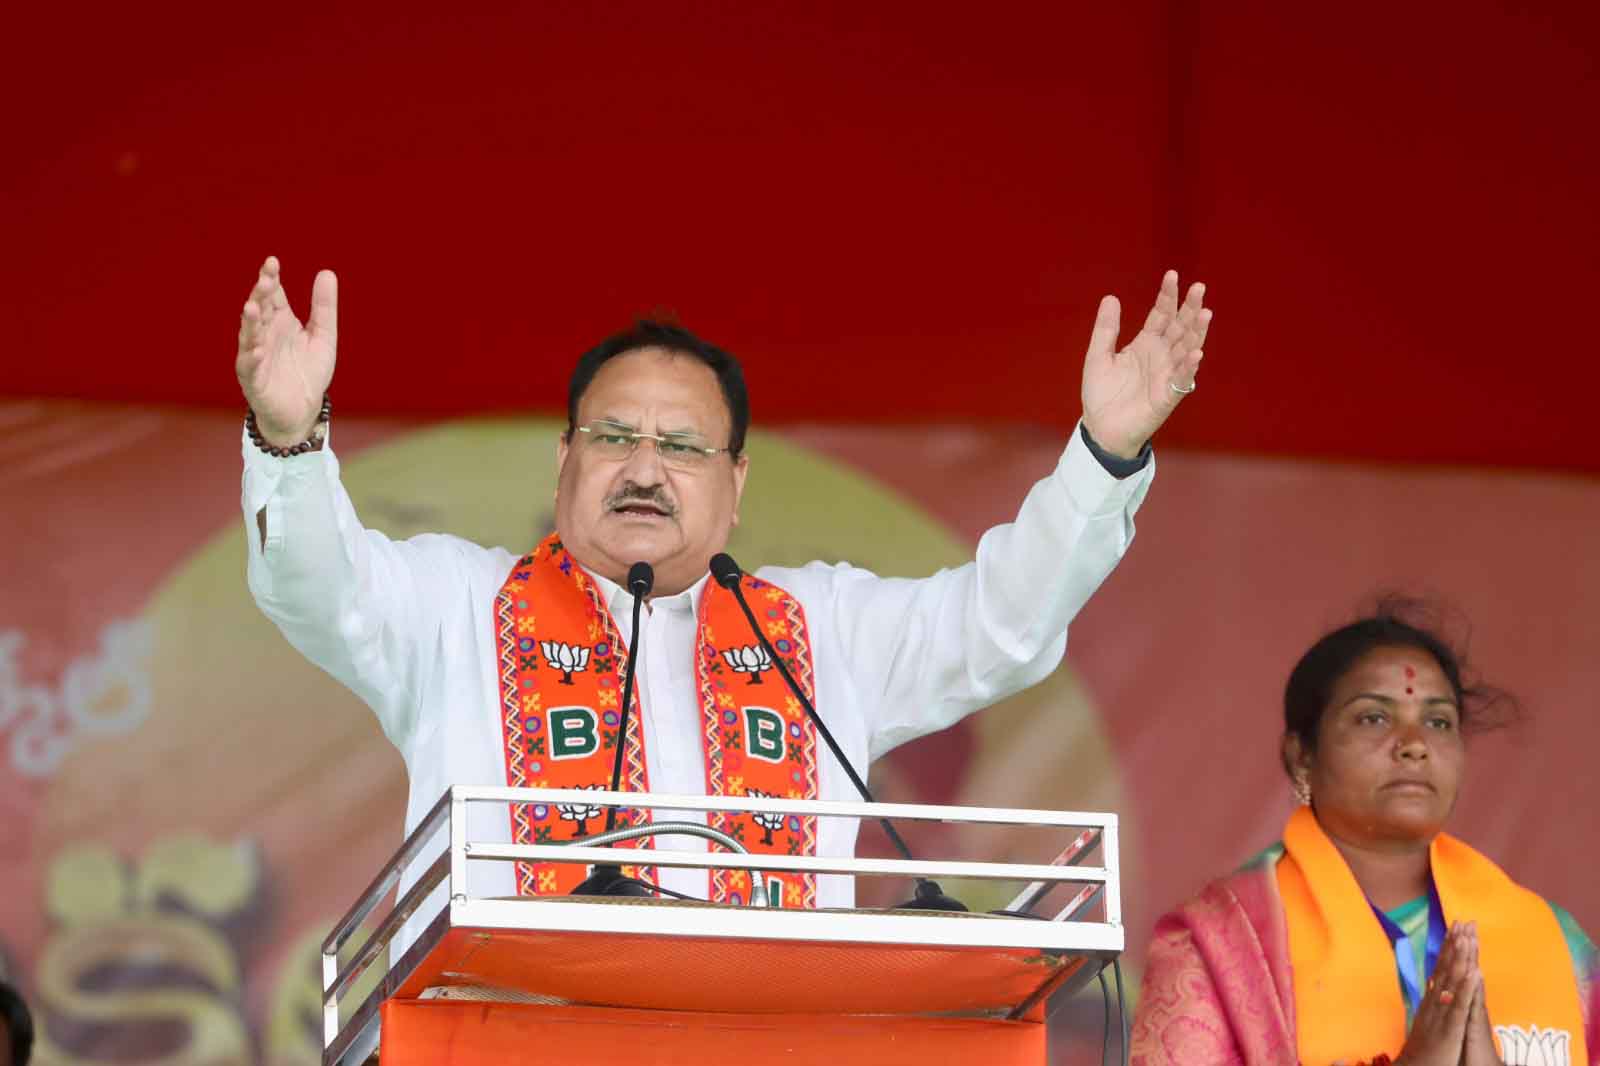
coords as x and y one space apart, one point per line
620 601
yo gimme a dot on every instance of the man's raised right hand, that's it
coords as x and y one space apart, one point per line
284 368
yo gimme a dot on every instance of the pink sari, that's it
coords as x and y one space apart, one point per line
1217 985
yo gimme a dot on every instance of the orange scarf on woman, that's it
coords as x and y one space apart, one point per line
1347 999
561 660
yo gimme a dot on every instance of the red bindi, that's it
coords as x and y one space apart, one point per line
1408 691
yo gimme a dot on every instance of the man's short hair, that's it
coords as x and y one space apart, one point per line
18 1024
651 333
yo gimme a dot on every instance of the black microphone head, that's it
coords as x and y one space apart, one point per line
725 570
930 897
641 579
606 880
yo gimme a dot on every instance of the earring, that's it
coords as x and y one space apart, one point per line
1302 790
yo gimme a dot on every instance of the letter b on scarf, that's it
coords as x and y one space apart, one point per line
572 733
763 734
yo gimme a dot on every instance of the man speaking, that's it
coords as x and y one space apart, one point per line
487 666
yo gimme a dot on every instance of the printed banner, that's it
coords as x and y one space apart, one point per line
186 805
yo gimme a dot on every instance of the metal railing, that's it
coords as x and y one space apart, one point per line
1064 932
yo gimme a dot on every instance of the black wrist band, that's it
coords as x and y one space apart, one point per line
1115 465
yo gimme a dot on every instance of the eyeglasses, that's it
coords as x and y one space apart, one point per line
681 451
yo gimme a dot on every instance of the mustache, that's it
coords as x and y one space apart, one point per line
631 493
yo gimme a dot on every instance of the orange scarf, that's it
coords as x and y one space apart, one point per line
1347 999
561 662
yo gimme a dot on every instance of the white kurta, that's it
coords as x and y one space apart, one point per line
408 626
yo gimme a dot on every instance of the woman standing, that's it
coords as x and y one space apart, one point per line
1367 934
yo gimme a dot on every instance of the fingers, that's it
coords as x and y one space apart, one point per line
1481 1046
261 292
267 299
1460 1007
1476 1012
1470 944
262 307
1184 374
1173 333
1441 990
255 316
267 293
324 322
1192 305
1194 313
1460 983
1460 960
1107 324
1182 329
1184 336
1447 955
270 269
1439 1029
1194 317
1166 305
258 306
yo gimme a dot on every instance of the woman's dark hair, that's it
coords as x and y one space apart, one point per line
652 333
18 1023
1397 622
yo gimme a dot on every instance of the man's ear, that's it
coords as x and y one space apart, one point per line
561 458
741 467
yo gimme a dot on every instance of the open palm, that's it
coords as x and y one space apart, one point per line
1128 394
284 367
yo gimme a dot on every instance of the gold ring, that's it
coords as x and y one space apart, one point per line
1447 997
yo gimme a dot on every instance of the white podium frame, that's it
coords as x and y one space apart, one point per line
1063 934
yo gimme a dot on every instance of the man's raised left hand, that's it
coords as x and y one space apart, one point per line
1128 394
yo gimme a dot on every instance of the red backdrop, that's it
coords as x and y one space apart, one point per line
891 211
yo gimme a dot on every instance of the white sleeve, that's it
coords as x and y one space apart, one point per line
364 608
924 653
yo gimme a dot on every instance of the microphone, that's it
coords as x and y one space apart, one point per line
929 896
606 879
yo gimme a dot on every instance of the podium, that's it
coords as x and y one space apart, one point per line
556 979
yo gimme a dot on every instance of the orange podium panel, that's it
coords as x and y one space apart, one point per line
445 1033
736 975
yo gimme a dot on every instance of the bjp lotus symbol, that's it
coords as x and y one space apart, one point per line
568 658
751 659
580 812
767 822
1534 1046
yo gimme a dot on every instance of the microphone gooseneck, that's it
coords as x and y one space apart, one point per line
606 879
929 896
641 579
758 893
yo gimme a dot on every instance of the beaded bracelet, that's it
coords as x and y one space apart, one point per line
312 443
